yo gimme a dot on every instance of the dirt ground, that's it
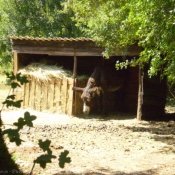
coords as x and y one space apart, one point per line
119 144
116 145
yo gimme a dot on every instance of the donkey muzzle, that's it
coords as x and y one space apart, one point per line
86 109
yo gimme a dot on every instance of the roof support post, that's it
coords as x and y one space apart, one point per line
15 62
75 66
140 96
74 84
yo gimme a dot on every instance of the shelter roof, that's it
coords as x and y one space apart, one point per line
59 46
49 38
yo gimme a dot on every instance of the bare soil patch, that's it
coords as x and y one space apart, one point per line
116 145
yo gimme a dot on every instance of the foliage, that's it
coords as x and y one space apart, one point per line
120 23
46 158
37 18
64 159
27 120
171 92
15 157
5 47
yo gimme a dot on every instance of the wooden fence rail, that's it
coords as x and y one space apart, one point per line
55 96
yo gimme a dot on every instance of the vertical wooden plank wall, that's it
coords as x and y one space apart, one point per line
55 96
19 94
32 91
26 95
38 90
78 104
50 95
44 96
131 90
69 109
152 96
64 95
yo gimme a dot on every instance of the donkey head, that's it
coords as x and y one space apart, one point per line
87 94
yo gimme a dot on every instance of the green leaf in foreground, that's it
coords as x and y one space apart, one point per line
21 79
14 85
64 159
29 118
13 103
11 97
44 159
13 135
20 123
11 76
45 146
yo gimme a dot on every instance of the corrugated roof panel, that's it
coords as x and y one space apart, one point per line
49 38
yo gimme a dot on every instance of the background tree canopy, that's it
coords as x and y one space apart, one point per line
119 23
113 24
38 18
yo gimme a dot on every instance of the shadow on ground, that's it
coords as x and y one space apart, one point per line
7 164
104 171
113 116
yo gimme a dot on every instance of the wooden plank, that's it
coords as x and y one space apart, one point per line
15 62
58 51
131 98
38 95
140 96
64 95
44 96
132 87
154 100
150 112
70 97
75 67
19 94
50 95
78 101
54 96
26 95
57 98
32 92
81 48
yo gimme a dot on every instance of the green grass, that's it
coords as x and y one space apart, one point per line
4 88
2 79
3 82
15 157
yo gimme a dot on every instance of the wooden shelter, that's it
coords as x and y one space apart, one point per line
81 55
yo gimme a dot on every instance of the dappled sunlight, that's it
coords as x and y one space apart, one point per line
118 144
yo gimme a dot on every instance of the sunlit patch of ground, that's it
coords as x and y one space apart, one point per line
97 146
118 144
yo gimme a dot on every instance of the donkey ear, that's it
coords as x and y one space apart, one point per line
98 90
78 89
92 89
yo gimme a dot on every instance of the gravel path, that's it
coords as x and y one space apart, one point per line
117 145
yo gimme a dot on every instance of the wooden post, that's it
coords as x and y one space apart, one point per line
140 96
74 105
15 62
75 67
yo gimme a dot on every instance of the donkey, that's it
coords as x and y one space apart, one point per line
96 87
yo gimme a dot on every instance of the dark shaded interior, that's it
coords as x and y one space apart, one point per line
124 99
